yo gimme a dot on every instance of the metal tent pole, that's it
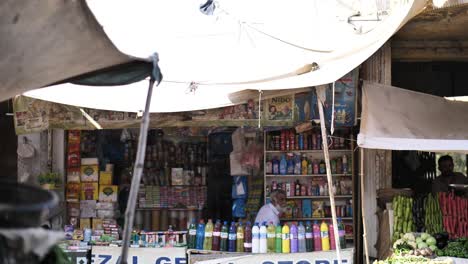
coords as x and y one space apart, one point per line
137 171
363 208
320 99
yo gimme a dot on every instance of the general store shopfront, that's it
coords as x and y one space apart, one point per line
212 164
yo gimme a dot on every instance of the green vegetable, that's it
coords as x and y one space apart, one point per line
424 236
457 248
431 241
422 245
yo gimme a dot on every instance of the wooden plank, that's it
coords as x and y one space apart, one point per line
420 50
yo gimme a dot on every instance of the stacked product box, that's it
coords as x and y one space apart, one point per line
73 187
91 197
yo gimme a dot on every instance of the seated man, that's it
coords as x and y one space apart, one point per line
270 211
447 176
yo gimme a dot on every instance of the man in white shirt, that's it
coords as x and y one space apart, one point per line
270 212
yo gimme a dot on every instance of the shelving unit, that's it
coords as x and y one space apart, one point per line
313 218
312 180
307 175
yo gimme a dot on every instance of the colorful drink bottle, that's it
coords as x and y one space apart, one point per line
208 235
317 237
301 238
293 238
192 236
331 234
278 239
271 236
341 232
263 238
240 238
256 239
224 237
324 236
248 237
232 238
285 247
200 234
216 236
309 237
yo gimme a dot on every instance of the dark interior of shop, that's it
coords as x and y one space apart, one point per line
415 169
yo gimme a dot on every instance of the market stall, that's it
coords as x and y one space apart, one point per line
421 223
177 179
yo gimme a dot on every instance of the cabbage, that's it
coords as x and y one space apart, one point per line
409 237
422 245
419 240
413 244
431 241
425 236
433 247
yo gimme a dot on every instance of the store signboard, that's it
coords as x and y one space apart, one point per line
34 115
305 104
319 257
111 255
77 256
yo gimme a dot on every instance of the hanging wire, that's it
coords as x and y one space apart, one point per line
260 108
332 130
268 35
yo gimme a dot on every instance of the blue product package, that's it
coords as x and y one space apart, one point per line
238 208
306 208
239 187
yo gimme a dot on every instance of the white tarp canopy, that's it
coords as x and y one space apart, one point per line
47 42
245 44
398 119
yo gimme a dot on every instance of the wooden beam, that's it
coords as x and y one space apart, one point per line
424 50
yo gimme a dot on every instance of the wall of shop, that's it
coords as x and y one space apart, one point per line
377 163
30 168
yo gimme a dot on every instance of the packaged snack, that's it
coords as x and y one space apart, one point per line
108 193
89 170
89 191
73 192
105 178
87 208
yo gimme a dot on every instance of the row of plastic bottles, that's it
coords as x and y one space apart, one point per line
293 164
264 238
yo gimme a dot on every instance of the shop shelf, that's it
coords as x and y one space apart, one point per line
309 151
305 175
320 197
166 208
314 218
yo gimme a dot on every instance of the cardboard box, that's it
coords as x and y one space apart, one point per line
74 136
106 214
317 207
108 193
105 178
306 208
85 223
73 175
73 192
106 206
73 209
89 170
97 223
87 208
89 191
